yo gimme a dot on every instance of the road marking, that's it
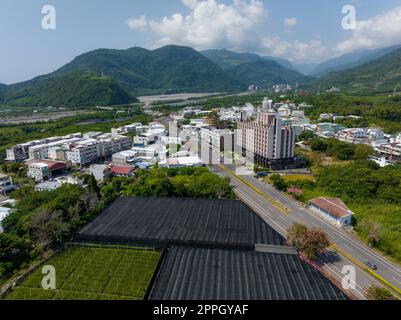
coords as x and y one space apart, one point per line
348 247
275 203
363 267
395 279
339 233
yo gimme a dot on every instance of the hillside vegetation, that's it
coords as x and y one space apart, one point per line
76 89
378 76
250 68
350 60
169 69
376 111
266 73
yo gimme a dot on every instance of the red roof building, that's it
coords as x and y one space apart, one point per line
53 165
334 209
123 171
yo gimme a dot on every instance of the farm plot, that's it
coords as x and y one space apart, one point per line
93 273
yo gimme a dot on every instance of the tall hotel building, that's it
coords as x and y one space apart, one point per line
271 143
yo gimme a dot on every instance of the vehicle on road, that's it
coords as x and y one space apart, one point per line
262 174
371 265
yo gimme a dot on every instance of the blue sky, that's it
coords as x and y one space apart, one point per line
302 31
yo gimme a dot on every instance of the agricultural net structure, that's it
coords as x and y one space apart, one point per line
93 273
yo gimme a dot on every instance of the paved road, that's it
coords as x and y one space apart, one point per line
346 242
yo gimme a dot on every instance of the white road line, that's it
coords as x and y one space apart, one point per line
348 247
395 279
339 233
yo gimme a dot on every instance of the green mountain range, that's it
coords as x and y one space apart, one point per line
107 77
267 73
168 69
350 60
379 76
227 59
251 68
76 89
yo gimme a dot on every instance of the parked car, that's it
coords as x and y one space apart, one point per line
371 265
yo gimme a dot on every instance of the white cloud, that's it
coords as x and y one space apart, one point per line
290 22
296 51
140 23
241 26
190 3
379 31
211 24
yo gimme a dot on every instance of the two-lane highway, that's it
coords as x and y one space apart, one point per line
280 221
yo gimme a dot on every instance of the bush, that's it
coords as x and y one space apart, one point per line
376 293
310 242
278 182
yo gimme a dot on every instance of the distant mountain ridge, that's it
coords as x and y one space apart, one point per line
282 62
267 73
351 60
306 68
377 76
108 76
251 68
128 72
167 69
227 59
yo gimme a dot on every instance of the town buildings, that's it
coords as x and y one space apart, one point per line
23 151
42 170
77 148
89 151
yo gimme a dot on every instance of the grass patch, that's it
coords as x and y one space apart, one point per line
93 273
388 217
321 159
298 177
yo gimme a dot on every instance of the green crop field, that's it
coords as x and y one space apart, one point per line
93 273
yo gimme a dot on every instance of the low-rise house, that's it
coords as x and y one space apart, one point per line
334 209
122 171
325 127
150 136
171 140
48 186
181 162
100 172
124 157
6 184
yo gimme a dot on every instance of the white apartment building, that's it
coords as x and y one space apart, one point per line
57 153
89 151
218 140
150 136
39 171
21 151
42 151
